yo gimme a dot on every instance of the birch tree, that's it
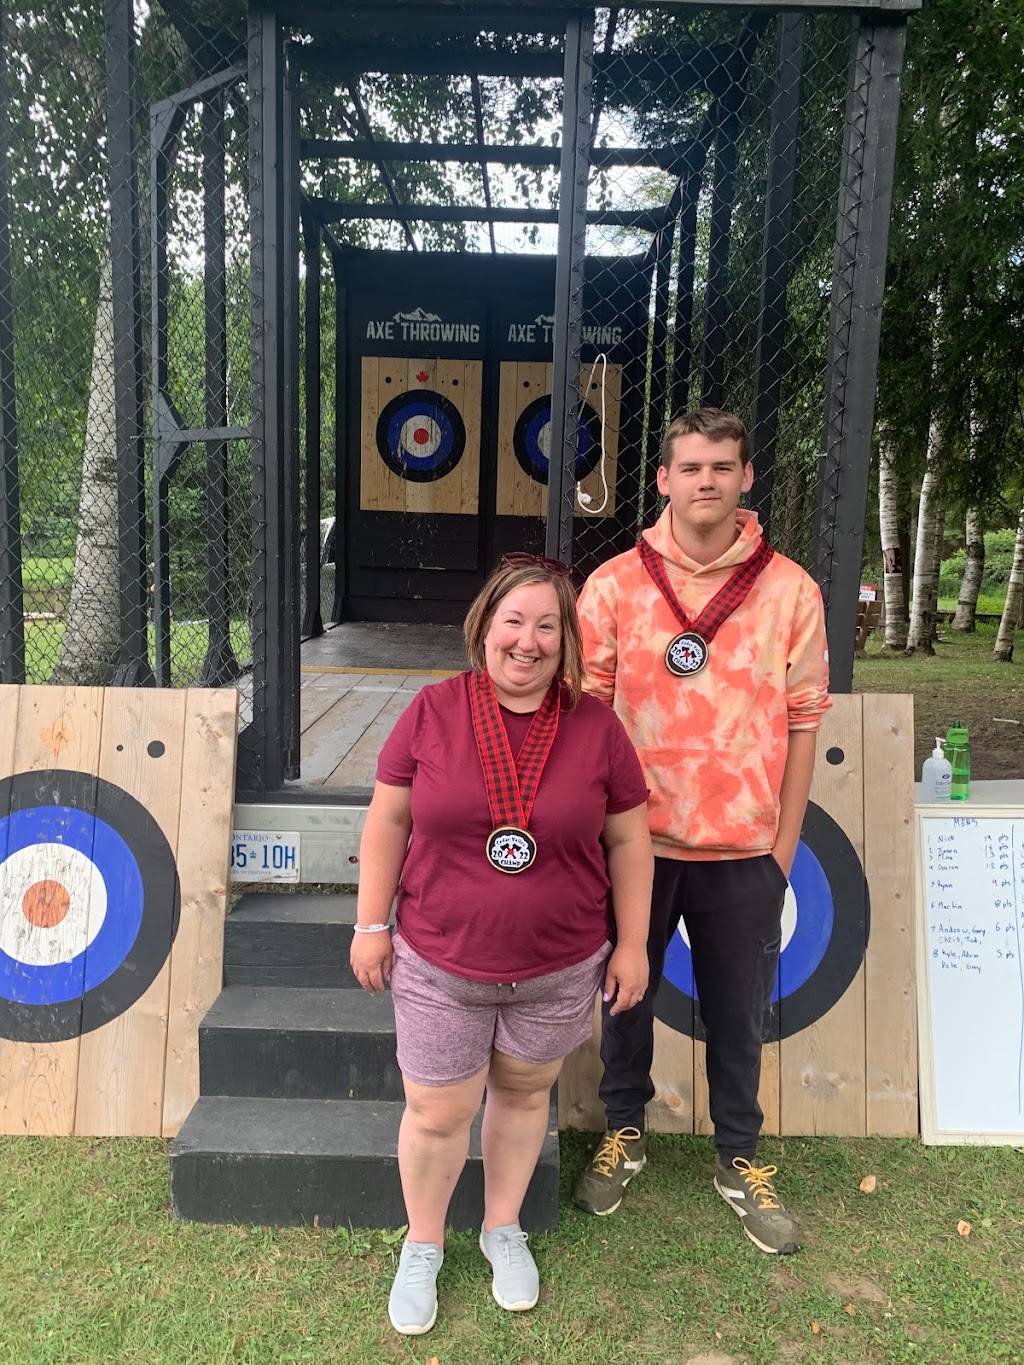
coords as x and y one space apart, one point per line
974 571
892 558
1003 652
922 620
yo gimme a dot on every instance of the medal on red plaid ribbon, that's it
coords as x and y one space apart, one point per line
511 783
687 653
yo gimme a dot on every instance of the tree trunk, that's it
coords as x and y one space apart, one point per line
1003 652
974 570
892 562
91 643
922 614
938 544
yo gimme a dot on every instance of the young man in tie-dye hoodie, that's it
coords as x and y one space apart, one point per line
724 714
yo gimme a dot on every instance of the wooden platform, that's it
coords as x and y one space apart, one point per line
346 716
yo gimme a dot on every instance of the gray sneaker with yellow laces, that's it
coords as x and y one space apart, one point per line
619 1157
749 1191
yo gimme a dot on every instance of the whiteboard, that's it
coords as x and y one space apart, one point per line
971 978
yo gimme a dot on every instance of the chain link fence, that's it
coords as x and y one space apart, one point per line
745 113
138 393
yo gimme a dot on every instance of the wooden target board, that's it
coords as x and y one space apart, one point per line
840 1049
420 435
113 891
524 418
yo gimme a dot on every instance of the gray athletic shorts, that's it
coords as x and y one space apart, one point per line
448 1026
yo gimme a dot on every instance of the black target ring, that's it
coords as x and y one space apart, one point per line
821 984
443 441
143 901
530 438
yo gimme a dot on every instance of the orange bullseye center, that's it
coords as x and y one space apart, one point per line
45 904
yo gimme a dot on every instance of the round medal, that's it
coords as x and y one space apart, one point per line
686 654
510 849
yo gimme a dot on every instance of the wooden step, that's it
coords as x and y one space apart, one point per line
287 1041
322 1162
279 939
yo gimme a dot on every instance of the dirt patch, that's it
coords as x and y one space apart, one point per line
858 1289
997 748
713 1358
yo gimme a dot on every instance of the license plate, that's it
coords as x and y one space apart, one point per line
264 856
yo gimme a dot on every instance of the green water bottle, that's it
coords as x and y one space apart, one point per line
958 751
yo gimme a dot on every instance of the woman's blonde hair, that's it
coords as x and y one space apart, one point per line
520 571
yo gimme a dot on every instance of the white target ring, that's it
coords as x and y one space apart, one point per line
788 921
53 901
420 436
544 441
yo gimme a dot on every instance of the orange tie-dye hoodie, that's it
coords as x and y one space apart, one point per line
713 745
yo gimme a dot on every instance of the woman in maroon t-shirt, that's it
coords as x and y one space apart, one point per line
507 806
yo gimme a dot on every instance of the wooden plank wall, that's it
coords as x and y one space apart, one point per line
137 1073
853 1071
382 490
521 382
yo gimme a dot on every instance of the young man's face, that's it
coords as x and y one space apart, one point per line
704 482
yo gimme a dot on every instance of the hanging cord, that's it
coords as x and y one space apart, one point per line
585 499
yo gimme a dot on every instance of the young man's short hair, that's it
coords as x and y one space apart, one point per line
713 423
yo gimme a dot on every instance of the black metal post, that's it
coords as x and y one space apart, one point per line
726 154
261 743
291 452
682 354
312 621
862 239
220 665
133 667
341 445
778 217
12 626
572 236
658 352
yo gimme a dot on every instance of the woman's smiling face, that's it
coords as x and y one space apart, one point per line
523 645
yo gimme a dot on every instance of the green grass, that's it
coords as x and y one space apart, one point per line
95 1270
961 681
188 648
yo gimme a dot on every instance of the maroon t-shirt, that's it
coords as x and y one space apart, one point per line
456 910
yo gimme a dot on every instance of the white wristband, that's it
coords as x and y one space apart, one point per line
370 928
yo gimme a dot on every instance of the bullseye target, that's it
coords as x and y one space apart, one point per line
421 435
89 904
825 925
531 439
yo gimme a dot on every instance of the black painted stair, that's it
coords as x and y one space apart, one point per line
300 1092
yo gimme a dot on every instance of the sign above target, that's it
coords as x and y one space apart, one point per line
531 439
421 435
89 904
825 925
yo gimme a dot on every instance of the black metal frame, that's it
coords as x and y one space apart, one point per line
12 626
269 750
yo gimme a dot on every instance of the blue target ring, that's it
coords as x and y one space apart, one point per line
421 436
74 841
531 443
823 954
112 858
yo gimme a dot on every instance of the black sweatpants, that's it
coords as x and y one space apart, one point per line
733 912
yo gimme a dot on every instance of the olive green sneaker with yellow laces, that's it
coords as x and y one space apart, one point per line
749 1191
619 1157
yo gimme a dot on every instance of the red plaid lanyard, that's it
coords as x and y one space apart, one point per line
511 783
725 601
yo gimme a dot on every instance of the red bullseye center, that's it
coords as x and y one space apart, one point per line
421 436
45 904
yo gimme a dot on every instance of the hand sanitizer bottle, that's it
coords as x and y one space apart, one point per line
937 775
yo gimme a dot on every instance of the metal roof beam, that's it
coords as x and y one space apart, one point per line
333 211
670 158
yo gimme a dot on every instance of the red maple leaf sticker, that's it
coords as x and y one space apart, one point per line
423 376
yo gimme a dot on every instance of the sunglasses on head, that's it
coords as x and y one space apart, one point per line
520 559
